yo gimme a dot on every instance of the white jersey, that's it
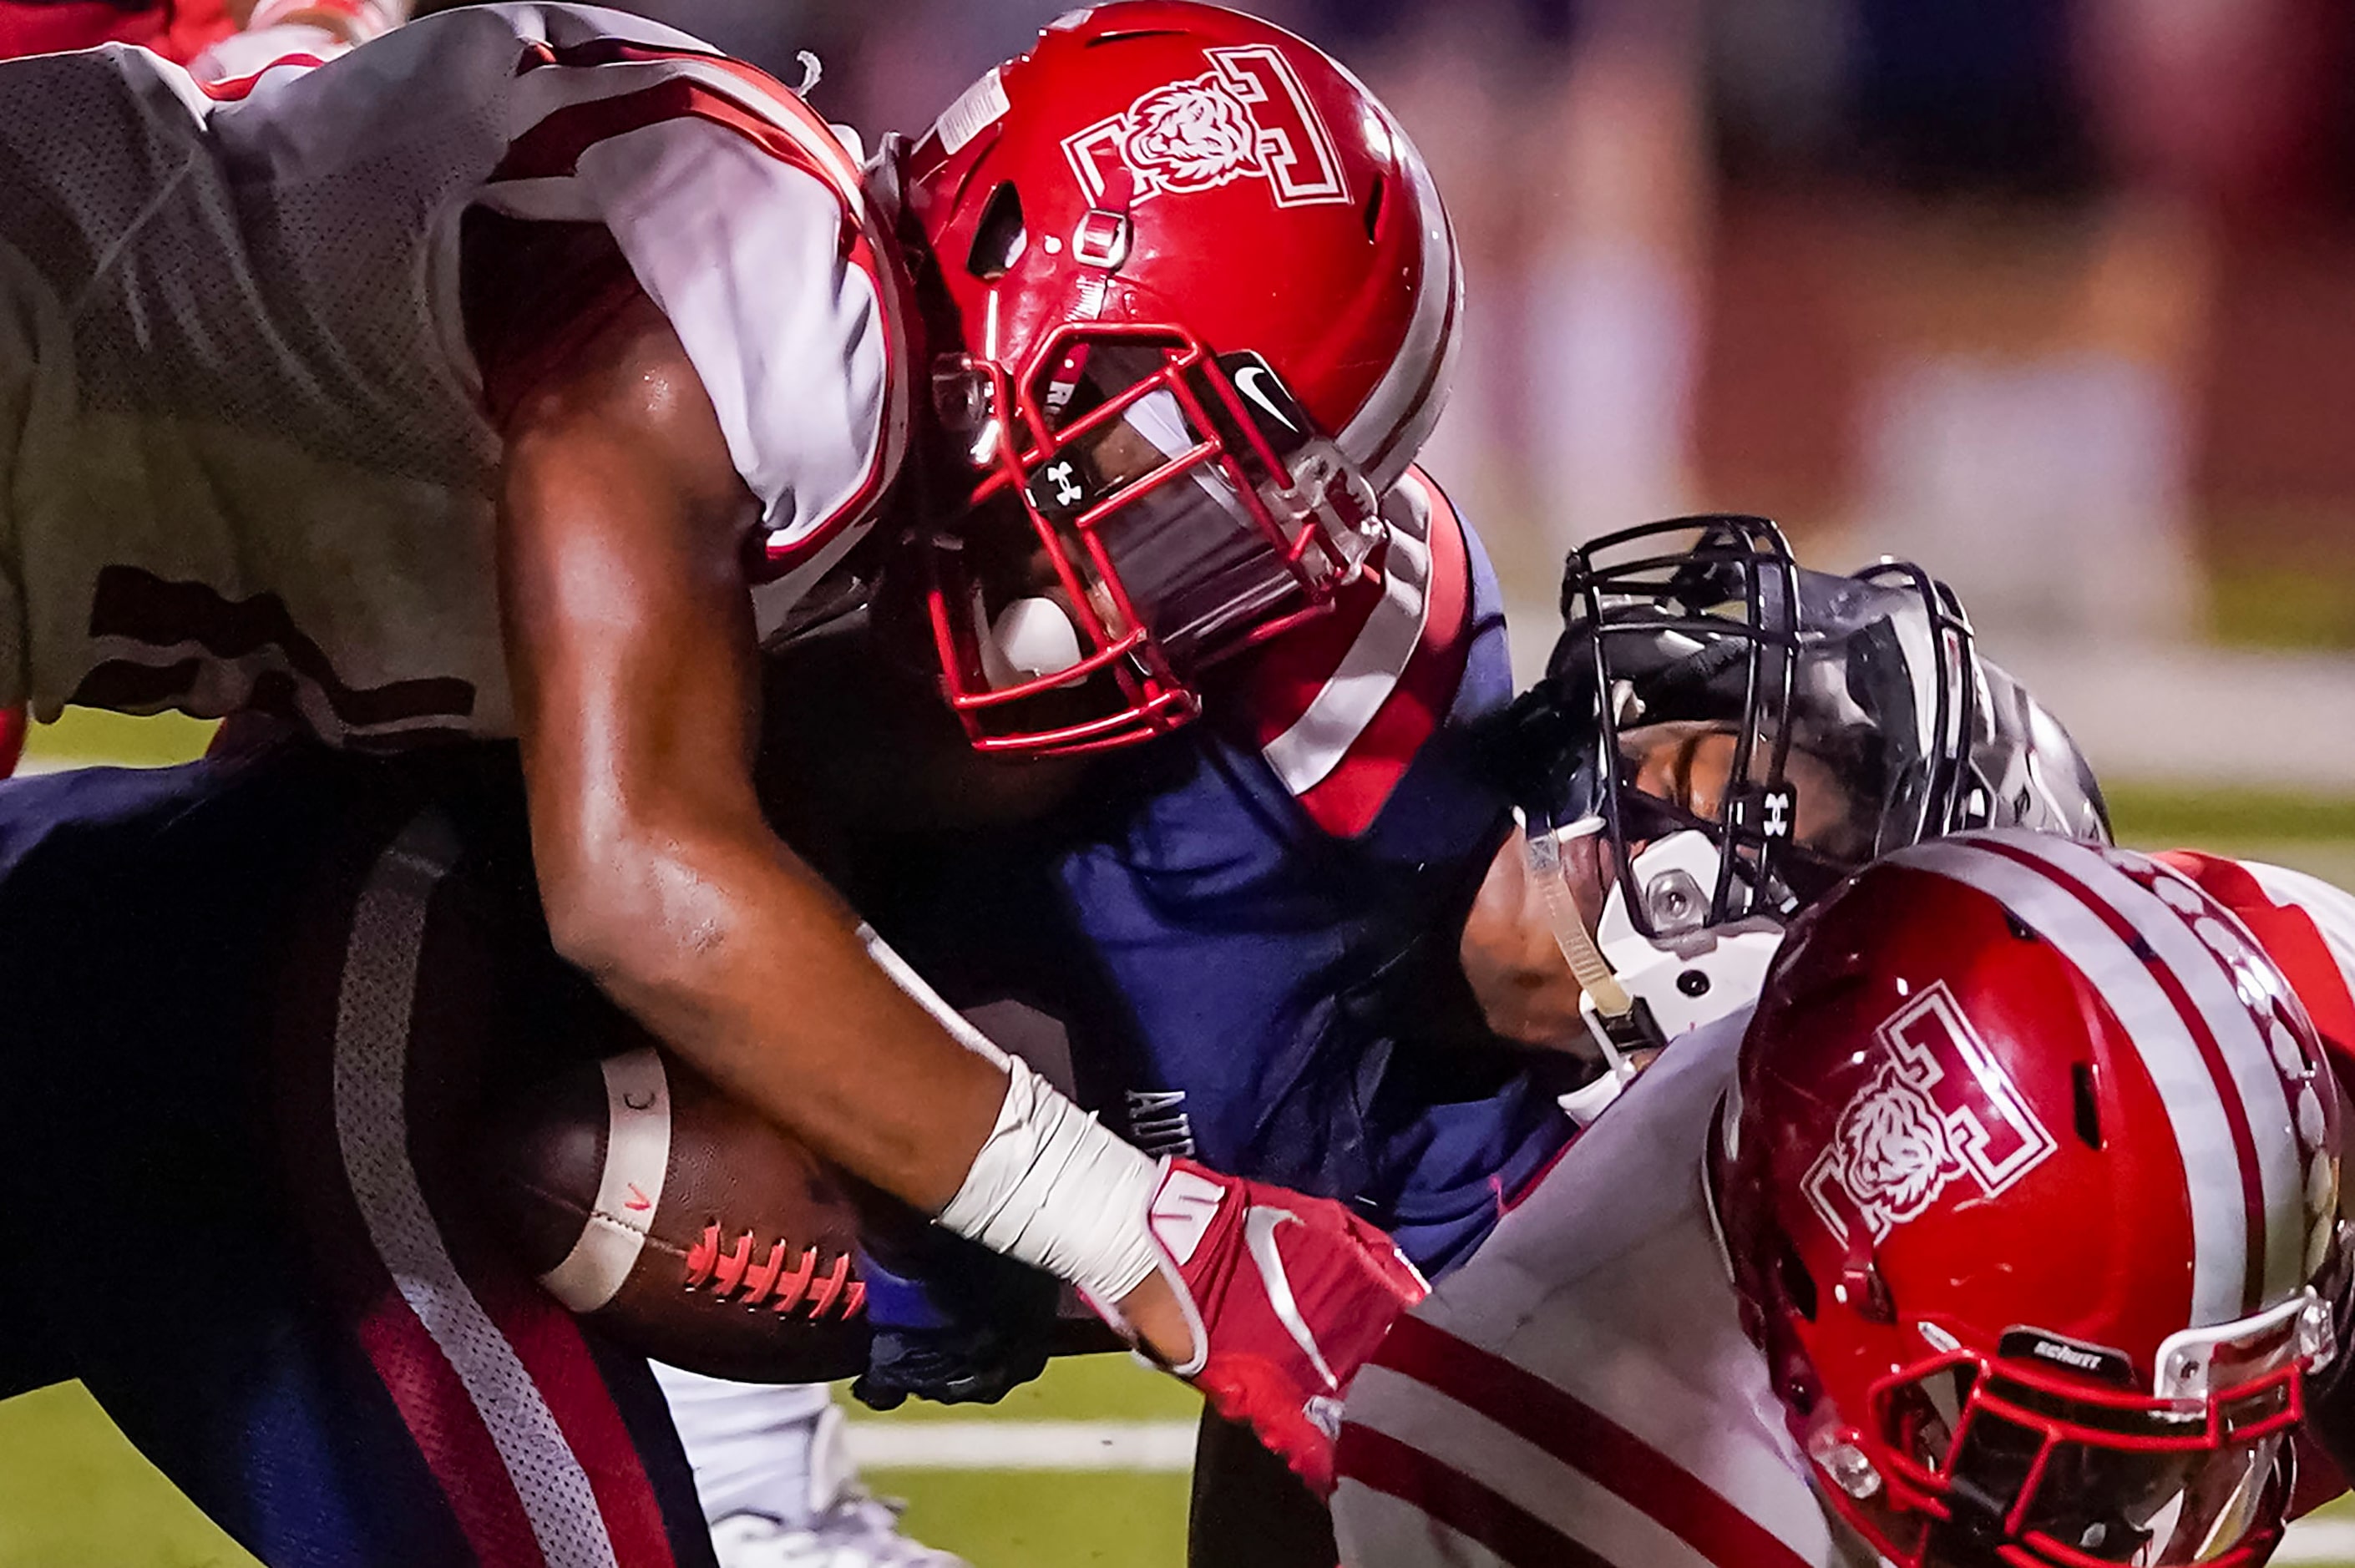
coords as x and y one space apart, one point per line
1580 1394
247 455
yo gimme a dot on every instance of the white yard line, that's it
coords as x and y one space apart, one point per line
1166 1446
2317 1540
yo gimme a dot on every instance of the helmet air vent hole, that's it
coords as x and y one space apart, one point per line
1374 206
1126 35
2088 1107
1798 1285
2017 926
999 238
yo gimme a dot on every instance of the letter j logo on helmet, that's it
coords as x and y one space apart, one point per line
1246 117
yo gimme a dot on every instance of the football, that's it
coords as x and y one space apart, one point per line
680 1223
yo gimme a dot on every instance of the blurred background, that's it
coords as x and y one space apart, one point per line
2057 296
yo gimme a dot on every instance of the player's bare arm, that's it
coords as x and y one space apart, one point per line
630 642
630 639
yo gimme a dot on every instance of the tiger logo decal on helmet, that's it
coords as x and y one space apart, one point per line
1940 1108
1247 116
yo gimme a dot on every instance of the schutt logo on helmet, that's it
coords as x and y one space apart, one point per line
1248 115
1940 1109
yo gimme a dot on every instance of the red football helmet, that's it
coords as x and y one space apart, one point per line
2028 1177
1200 301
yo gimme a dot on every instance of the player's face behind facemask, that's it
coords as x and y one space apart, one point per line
2044 1470
1035 606
1508 947
1173 528
1868 680
1690 767
1720 736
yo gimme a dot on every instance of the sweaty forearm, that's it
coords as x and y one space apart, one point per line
738 958
746 964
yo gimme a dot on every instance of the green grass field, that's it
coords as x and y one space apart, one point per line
74 1493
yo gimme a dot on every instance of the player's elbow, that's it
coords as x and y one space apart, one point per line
587 905
586 928
646 884
615 908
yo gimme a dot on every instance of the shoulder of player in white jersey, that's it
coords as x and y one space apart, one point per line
1582 1390
2306 925
2328 906
322 371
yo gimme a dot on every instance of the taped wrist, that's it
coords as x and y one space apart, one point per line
1053 1188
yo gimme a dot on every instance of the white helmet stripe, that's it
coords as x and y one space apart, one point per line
1387 432
2214 990
2195 1106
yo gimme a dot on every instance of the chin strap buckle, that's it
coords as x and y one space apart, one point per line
1622 1023
1101 239
1103 236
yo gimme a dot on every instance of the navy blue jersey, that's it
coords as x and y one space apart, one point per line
1248 936
247 1011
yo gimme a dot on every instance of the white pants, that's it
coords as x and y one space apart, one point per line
752 1445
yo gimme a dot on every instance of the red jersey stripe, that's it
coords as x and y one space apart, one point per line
1606 1452
442 1419
1346 801
238 87
552 148
1279 682
2289 937
779 556
547 1340
447 1428
784 108
1283 685
1382 1462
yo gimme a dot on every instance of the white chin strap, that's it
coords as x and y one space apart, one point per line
1030 638
1692 974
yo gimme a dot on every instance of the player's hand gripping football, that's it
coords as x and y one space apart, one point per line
1287 1295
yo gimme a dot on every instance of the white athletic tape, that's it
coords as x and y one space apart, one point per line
629 1189
1054 1188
